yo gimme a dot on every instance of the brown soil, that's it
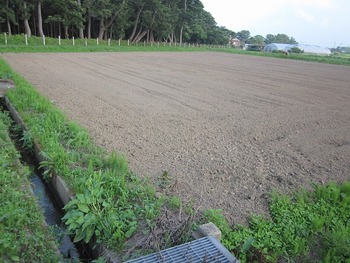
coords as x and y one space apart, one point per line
227 128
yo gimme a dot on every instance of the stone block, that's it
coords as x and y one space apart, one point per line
208 229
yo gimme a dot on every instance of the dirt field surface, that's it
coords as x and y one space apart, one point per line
228 128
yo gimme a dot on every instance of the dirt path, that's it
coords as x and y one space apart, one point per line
227 128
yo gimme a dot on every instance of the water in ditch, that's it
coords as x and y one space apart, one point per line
53 215
71 252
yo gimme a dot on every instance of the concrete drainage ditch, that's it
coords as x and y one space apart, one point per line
47 198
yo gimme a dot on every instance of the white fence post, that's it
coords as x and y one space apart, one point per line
119 42
5 38
109 42
59 40
73 41
128 42
26 39
96 41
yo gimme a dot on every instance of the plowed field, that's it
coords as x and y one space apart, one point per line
227 128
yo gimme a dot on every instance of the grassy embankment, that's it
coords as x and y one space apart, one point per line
23 237
336 59
17 44
306 227
111 200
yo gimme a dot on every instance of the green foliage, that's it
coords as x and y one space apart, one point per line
22 235
309 220
243 35
175 202
295 50
137 20
279 38
105 209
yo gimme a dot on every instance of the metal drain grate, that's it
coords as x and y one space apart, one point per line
203 250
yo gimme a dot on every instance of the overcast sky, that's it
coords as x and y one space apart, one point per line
318 22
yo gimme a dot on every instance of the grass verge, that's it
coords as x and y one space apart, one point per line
23 236
307 227
336 59
16 44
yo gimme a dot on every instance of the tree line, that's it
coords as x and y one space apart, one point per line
245 38
136 20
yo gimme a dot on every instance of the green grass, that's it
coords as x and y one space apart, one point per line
16 44
307 227
23 237
336 59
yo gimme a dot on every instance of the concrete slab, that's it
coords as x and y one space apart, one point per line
5 84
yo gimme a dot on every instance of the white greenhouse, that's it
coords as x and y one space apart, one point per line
278 47
308 49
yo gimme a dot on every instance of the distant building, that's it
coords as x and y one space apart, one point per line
308 49
234 42
253 47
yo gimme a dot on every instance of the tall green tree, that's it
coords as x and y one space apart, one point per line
107 11
243 35
7 14
81 29
26 10
256 40
138 20
183 18
146 22
40 18
137 6
66 12
279 38
89 8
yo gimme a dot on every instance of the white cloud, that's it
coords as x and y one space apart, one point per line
312 3
305 16
241 14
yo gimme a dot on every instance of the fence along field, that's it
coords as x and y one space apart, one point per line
37 41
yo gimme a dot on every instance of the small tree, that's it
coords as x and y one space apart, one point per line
295 50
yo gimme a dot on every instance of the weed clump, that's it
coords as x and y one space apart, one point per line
311 226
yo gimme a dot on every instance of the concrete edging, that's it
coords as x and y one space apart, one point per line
61 189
